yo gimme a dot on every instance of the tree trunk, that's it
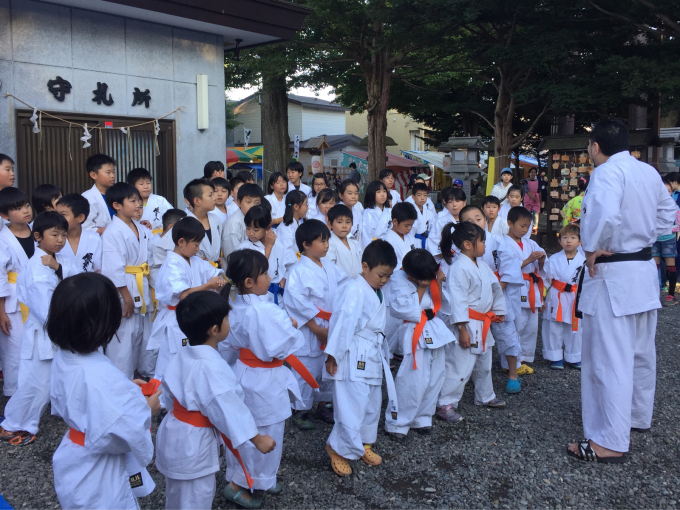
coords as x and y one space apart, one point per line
503 115
274 122
378 89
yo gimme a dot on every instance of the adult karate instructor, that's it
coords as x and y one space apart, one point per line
625 208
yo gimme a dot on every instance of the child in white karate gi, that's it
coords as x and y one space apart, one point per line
325 200
234 229
415 299
208 409
376 219
35 286
264 337
45 198
125 261
356 358
400 236
494 224
102 170
83 248
387 177
160 245
453 200
199 194
309 299
232 201
293 217
343 251
318 185
155 206
277 188
294 172
474 300
221 194
425 221
561 329
349 196
101 461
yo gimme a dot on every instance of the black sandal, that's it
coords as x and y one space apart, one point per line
587 454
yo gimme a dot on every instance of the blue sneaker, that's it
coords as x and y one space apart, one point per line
577 366
513 386
557 365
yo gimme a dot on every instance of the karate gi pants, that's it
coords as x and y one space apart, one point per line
507 341
526 324
618 375
261 467
417 390
316 365
357 412
196 494
10 351
24 409
461 365
557 336
125 349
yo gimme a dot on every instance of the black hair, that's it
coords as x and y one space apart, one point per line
47 220
117 193
309 231
420 265
353 165
272 180
469 208
491 200
266 205
326 195
672 176
611 135
386 172
258 217
517 213
451 193
404 211
96 161
229 176
319 175
12 198
220 164
584 179
346 184
194 189
249 190
43 196
241 265
199 312
77 203
245 176
235 181
458 233
294 197
84 313
296 166
172 216
5 157
189 229
419 186
222 183
369 198
514 187
379 253
137 174
210 168
339 211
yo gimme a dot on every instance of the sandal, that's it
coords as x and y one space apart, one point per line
370 457
339 464
236 497
19 438
587 454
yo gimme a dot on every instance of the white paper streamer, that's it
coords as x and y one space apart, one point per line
86 137
124 130
34 120
157 129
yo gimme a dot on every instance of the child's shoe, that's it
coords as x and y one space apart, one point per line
301 422
513 386
397 436
557 365
670 301
339 464
525 370
576 365
370 457
237 497
274 491
18 438
424 431
496 403
324 413
449 413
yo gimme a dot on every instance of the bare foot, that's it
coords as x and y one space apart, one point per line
600 451
245 494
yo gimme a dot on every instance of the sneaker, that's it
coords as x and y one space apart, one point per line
448 413
525 370
557 365
397 436
424 431
325 413
670 301
301 422
495 403
513 386
577 366
19 438
664 289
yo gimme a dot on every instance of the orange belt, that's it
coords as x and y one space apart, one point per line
487 318
534 278
418 330
172 307
76 436
497 275
325 316
248 358
196 419
566 287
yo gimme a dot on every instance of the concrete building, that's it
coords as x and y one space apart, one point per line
112 65
407 133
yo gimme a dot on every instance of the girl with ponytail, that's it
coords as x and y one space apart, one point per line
296 211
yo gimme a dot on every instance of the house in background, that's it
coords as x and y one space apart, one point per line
406 132
333 156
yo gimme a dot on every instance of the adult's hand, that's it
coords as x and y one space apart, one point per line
590 260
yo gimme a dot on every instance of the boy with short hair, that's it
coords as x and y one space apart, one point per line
453 200
561 329
199 193
83 248
514 198
356 358
213 170
222 193
102 170
160 245
294 171
387 177
425 221
234 232
45 198
404 215
154 205
343 251
7 175
232 201
491 207
500 189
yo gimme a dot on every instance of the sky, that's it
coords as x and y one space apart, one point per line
240 93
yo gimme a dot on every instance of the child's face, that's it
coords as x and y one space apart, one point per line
300 211
317 249
6 174
319 184
326 206
144 187
260 285
420 198
294 177
129 208
479 248
380 197
254 233
342 226
187 249
520 228
506 178
669 188
351 196
377 277
280 186
388 181
52 240
73 221
474 216
515 198
454 206
220 195
249 202
402 228
223 333
234 192
570 242
139 212
23 214
491 211
207 200
105 177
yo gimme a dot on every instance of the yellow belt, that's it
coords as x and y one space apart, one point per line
157 231
12 278
140 272
213 264
155 303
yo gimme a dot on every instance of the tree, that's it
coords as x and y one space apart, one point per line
230 118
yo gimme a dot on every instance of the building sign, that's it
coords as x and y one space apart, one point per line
59 87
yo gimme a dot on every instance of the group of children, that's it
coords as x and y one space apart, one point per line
116 306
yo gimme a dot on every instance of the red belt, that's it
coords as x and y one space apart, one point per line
487 318
248 358
418 330
325 316
566 287
534 278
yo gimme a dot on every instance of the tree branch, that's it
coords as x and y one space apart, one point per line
520 139
483 118
663 17
615 15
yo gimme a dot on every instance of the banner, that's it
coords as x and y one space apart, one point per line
296 148
246 136
490 175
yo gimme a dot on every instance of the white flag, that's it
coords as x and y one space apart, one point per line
296 149
246 135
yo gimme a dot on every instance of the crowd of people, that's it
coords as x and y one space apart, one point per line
247 308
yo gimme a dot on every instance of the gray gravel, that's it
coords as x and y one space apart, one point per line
512 458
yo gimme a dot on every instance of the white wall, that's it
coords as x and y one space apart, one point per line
322 122
249 117
295 125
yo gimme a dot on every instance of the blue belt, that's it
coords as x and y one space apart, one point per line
275 289
422 238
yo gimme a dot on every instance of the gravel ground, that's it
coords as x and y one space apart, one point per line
511 458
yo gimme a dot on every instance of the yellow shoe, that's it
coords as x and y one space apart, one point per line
525 370
339 464
370 457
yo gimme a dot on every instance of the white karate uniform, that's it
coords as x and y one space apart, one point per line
94 397
278 206
428 205
435 237
425 221
156 206
99 212
232 207
625 208
401 246
395 196
318 215
375 223
12 259
470 286
221 216
357 213
121 248
286 234
158 247
417 388
303 187
357 343
200 380
233 234
348 260
310 289
267 331
88 256
211 249
500 226
35 286
558 335
500 191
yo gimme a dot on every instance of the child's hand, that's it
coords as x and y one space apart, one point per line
322 336
215 283
440 276
50 261
269 238
294 322
500 318
100 230
128 306
264 444
541 255
5 324
282 283
154 403
463 337
331 365
147 224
